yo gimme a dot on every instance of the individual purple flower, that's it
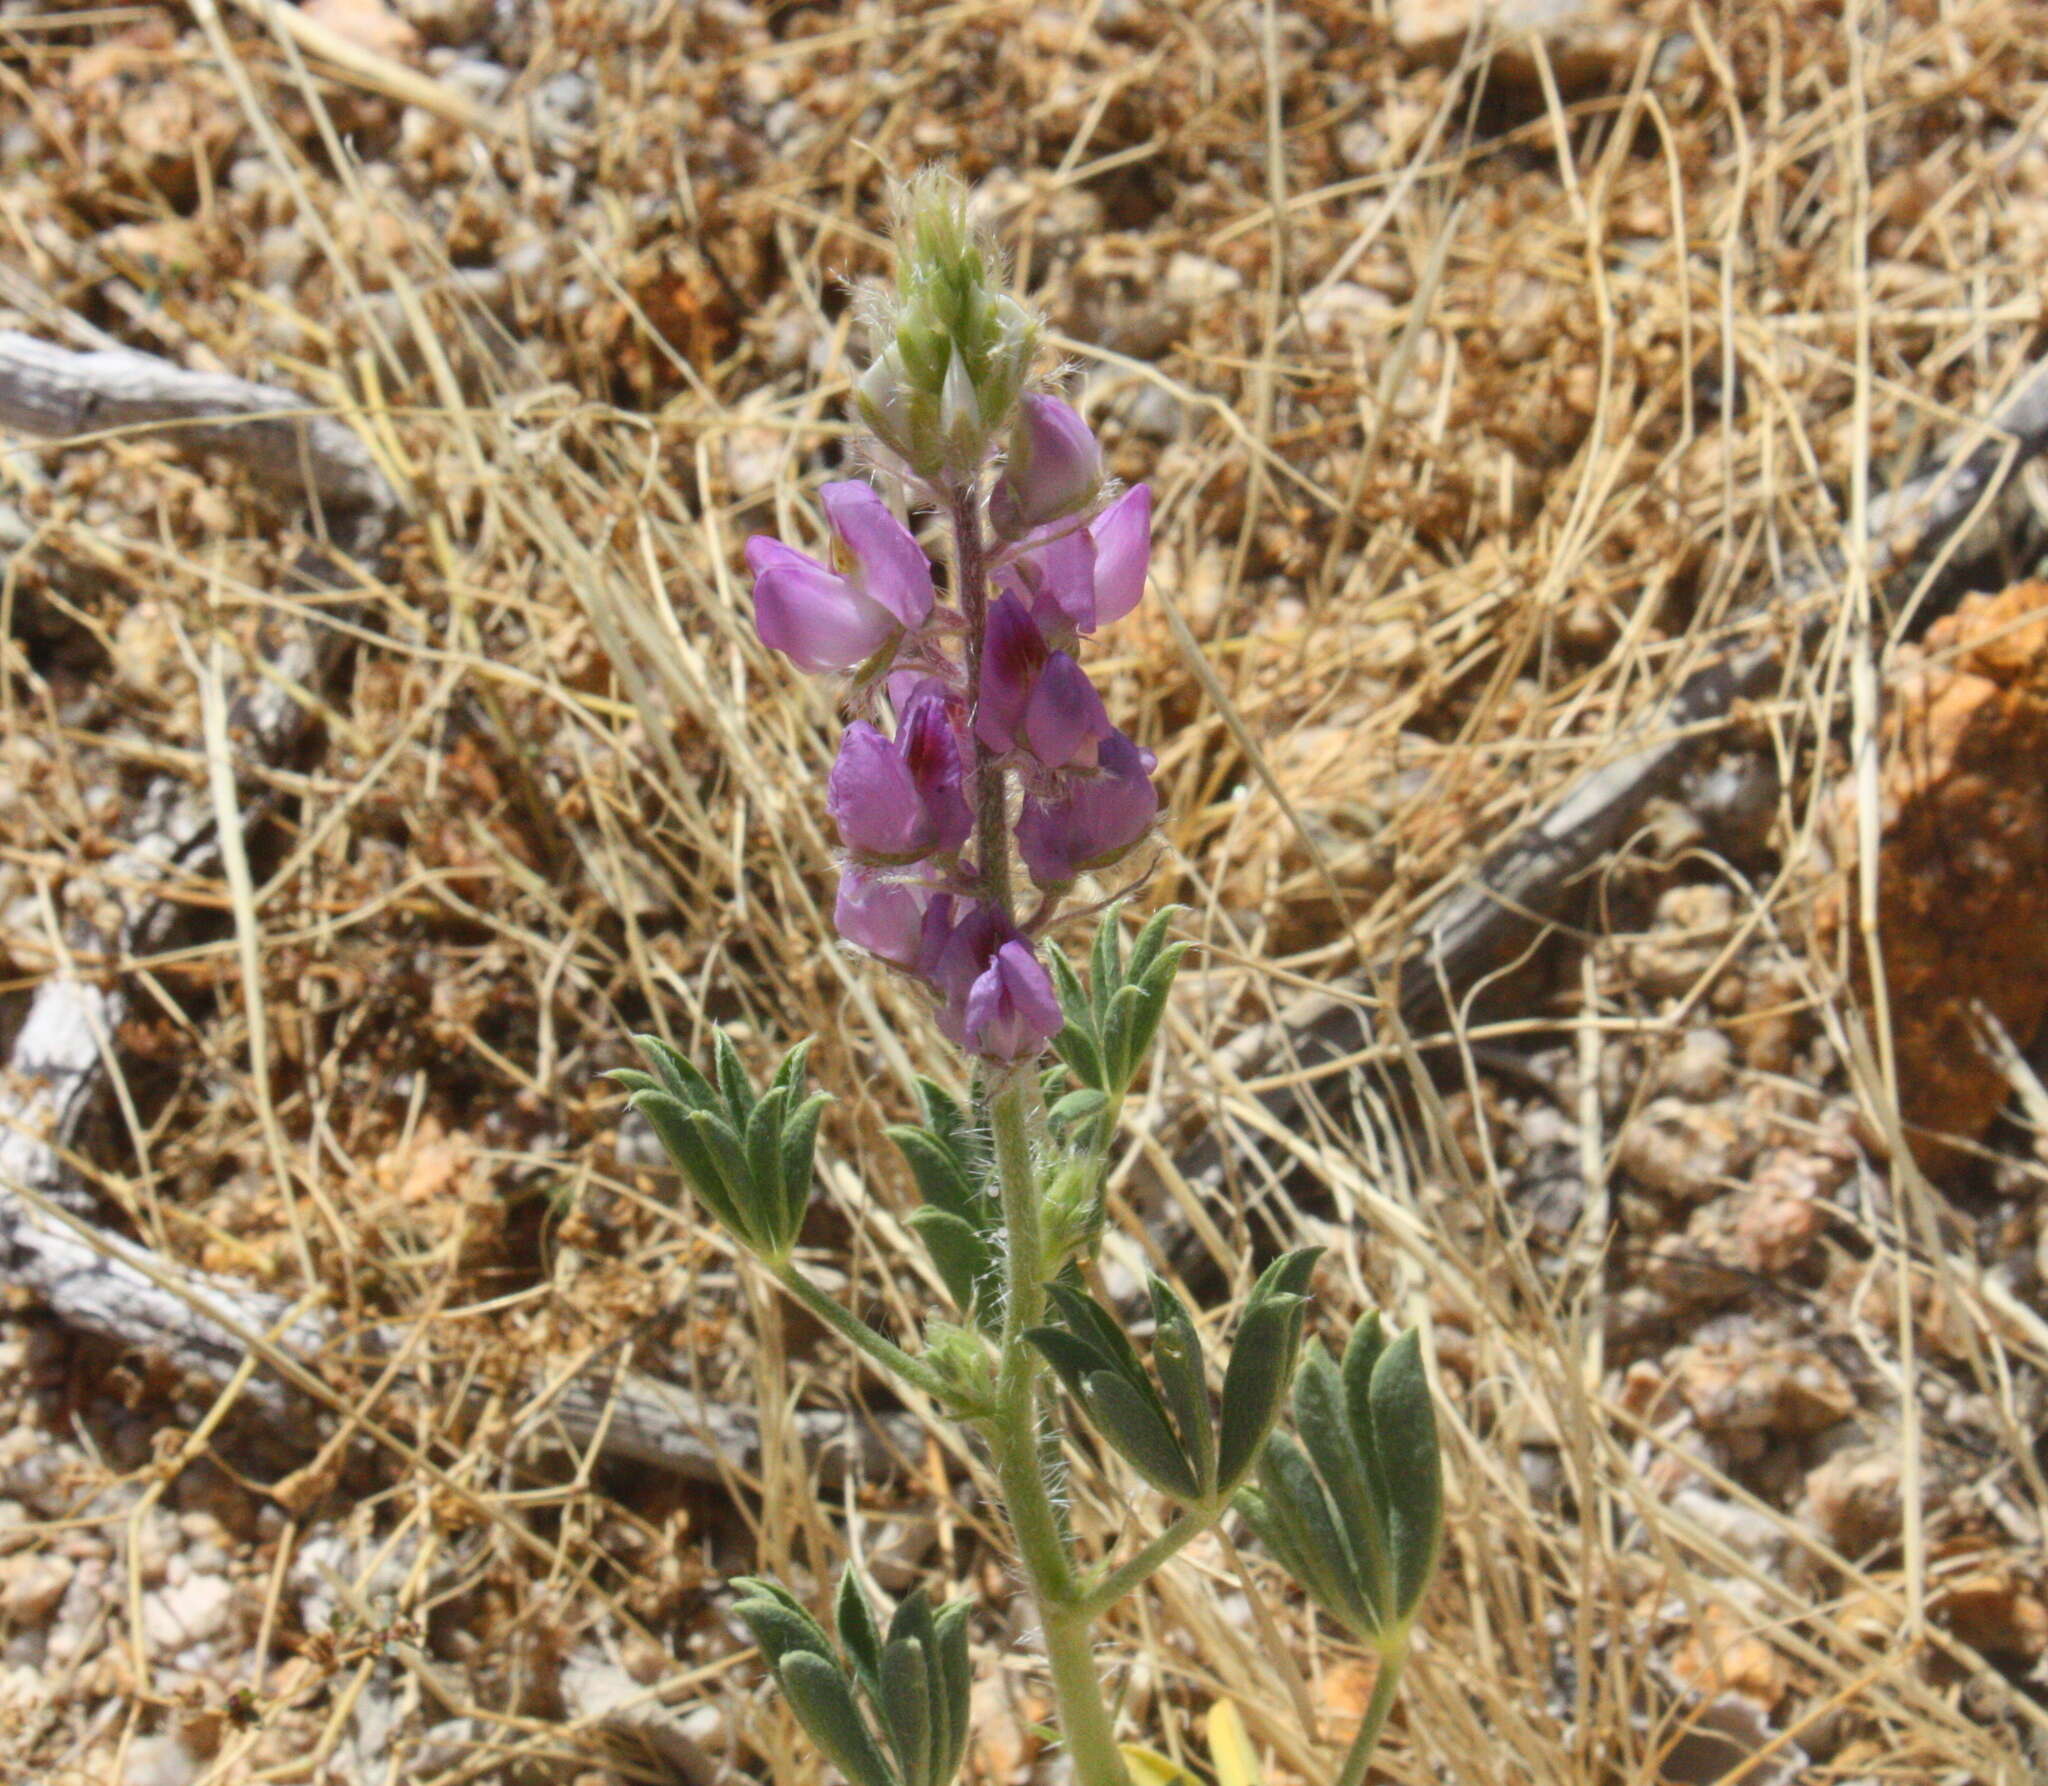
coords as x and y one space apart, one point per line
995 997
1093 819
1054 469
898 800
1012 1010
823 620
1033 696
1089 576
882 915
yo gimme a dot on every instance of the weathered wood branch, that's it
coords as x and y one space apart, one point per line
56 394
52 1243
1489 918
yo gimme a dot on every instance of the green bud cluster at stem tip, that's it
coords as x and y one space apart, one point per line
954 349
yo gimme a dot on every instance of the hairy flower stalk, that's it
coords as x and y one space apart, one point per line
979 778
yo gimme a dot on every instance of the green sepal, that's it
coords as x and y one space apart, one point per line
1130 1420
961 1254
1255 1382
1177 1357
1404 1430
820 1696
1078 1106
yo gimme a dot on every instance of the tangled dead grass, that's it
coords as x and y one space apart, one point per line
1479 410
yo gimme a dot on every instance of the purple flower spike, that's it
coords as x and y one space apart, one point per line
882 916
1055 468
1012 1011
824 621
1095 819
895 802
1092 575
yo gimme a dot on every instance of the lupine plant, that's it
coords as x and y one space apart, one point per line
980 781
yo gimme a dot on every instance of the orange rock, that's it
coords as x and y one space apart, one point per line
1722 1655
1997 1611
1783 1389
1963 871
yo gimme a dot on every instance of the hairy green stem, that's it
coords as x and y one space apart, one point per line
849 1326
1013 1443
1141 1566
1386 1688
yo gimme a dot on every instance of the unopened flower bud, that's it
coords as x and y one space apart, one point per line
882 396
1055 468
960 423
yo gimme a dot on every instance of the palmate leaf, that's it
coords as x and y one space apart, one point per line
914 1677
749 1161
1354 1512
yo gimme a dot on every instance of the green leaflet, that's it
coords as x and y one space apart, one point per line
1261 1361
857 1633
1113 1020
1177 1357
1131 1420
961 1253
1319 1416
906 1707
1354 1511
1404 1429
820 1697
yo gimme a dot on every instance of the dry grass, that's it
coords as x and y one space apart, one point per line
1474 422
